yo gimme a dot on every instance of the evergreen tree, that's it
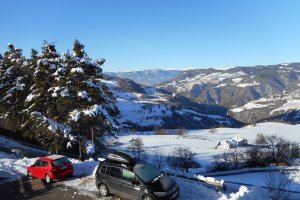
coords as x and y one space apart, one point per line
15 90
40 102
65 102
96 101
2 70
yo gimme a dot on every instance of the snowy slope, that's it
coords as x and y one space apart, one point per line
235 86
145 107
285 107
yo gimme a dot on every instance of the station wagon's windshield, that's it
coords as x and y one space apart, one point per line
146 172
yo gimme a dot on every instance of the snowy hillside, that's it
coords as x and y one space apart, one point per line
144 107
236 86
284 107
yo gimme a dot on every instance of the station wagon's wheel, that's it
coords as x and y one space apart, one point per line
103 190
48 178
147 197
29 175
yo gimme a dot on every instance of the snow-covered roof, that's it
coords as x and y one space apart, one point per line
54 157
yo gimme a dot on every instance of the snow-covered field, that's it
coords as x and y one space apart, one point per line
203 143
200 141
259 179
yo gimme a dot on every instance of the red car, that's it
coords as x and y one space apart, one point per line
50 167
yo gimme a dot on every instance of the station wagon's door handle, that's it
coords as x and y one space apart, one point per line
137 188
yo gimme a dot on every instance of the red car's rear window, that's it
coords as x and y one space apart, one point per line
60 161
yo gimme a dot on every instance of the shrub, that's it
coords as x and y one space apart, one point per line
278 183
213 131
183 158
181 132
137 147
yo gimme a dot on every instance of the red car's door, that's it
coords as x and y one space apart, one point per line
43 169
36 168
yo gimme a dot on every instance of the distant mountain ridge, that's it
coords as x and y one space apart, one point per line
147 77
236 86
252 94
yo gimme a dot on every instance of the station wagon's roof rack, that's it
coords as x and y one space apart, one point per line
121 158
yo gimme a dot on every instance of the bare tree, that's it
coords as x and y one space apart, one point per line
158 158
278 149
213 131
255 157
272 144
229 160
181 132
295 150
278 183
137 146
159 131
260 139
222 162
236 157
183 158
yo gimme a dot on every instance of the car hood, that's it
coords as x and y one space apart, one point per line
162 184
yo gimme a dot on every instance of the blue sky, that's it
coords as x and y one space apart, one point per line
140 34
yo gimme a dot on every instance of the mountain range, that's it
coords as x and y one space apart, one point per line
147 77
271 89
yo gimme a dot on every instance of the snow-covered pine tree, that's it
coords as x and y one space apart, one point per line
41 103
15 88
96 108
69 106
2 70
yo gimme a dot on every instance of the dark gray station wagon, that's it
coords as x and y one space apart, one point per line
135 179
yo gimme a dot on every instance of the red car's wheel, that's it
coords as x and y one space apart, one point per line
48 178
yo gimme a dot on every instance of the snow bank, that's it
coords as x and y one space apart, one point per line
246 193
210 180
84 168
13 168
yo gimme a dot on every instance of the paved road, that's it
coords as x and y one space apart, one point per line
37 189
